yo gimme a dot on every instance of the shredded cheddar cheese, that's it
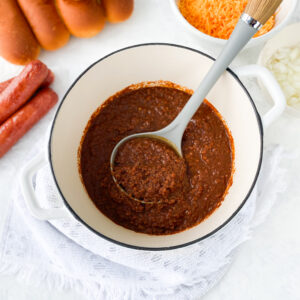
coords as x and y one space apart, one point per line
217 18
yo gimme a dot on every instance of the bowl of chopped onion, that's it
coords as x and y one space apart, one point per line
214 20
281 55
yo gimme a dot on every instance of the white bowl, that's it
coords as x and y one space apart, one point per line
143 63
284 13
288 37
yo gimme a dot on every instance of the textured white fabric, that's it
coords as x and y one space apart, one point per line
65 254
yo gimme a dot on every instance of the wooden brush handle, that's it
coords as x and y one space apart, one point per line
262 10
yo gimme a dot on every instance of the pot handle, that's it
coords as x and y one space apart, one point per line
272 87
30 196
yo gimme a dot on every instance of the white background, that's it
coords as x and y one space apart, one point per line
265 267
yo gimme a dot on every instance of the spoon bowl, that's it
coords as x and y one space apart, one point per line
159 135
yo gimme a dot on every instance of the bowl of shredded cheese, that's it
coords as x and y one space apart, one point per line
214 20
281 55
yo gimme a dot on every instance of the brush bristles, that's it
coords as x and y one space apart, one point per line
262 10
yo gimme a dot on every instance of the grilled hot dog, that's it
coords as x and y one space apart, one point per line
5 84
49 79
22 88
24 119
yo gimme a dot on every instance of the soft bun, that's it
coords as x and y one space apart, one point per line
118 10
45 22
17 42
83 18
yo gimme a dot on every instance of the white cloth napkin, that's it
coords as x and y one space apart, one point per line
66 255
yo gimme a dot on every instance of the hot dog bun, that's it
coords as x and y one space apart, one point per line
45 22
83 18
118 10
17 42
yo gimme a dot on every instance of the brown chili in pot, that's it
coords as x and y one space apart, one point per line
192 187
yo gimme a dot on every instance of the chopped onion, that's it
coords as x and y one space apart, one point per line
285 65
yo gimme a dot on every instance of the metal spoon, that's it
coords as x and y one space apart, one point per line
254 16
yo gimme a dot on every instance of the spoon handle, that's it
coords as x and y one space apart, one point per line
243 32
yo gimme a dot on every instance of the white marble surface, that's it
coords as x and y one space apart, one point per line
265 267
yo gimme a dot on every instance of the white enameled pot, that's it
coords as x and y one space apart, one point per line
152 62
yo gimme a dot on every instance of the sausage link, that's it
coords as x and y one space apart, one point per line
25 118
48 81
5 84
22 88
